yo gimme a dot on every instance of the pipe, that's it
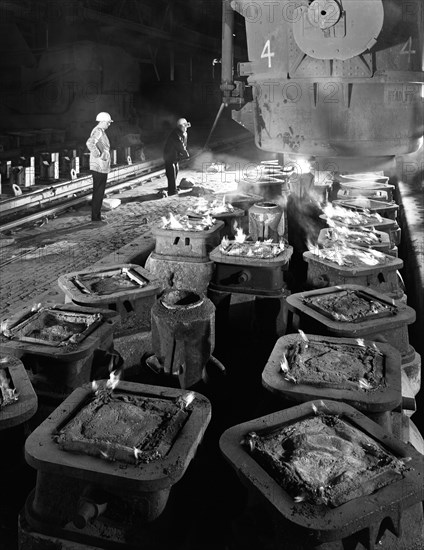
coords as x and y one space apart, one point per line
227 84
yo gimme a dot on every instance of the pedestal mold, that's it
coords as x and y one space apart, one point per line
126 492
59 369
128 289
362 520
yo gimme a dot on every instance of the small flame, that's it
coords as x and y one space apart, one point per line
284 364
94 386
188 399
376 348
315 408
364 384
360 342
104 455
240 235
137 453
173 223
225 243
290 378
35 307
114 378
3 325
300 498
304 337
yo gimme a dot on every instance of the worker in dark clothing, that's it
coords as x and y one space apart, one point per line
175 150
99 147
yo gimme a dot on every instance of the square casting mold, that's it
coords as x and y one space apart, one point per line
381 240
134 294
59 369
384 209
384 397
389 326
61 472
247 274
320 524
174 244
383 277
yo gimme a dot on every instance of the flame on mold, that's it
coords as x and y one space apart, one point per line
172 222
304 337
375 347
240 235
137 453
188 399
114 378
284 364
364 384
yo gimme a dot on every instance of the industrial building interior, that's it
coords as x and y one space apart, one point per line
236 365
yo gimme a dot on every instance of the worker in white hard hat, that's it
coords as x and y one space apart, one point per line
99 147
175 150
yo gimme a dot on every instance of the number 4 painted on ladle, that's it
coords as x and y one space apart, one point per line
409 51
266 52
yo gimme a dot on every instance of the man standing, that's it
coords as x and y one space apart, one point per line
175 150
99 147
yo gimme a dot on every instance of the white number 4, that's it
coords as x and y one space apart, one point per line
266 52
409 51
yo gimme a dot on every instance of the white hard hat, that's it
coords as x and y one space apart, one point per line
103 117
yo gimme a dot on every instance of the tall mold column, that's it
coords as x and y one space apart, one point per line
334 78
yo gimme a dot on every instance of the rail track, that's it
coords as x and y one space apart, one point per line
47 200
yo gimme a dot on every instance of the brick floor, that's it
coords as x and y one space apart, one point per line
70 242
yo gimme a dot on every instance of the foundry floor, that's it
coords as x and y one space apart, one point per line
207 502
